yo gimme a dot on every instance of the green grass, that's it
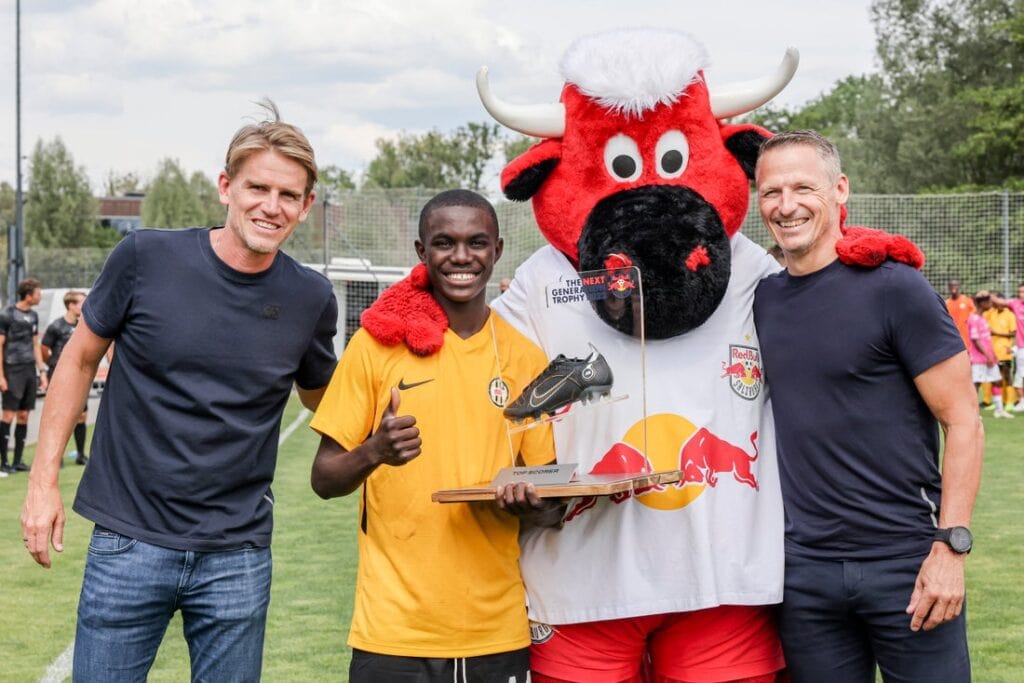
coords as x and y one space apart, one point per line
314 573
995 592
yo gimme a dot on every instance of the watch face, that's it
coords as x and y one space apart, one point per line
960 539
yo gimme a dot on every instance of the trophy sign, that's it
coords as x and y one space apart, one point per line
616 296
597 371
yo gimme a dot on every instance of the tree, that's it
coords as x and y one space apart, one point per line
209 198
435 160
104 237
120 184
60 210
947 108
333 179
995 130
517 145
6 207
411 161
475 146
952 70
855 116
171 201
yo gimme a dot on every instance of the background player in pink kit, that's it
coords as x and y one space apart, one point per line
984 362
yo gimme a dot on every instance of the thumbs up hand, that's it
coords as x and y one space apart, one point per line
397 439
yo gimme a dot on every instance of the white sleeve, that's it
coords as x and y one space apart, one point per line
514 304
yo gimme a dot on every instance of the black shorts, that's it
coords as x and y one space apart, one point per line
22 385
504 667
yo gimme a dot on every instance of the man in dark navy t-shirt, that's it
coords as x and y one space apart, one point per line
861 363
213 328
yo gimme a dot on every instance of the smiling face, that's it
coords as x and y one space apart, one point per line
459 246
266 199
799 199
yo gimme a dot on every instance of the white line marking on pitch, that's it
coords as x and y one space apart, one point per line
296 423
60 669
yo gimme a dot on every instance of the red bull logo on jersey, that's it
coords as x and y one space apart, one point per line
744 371
672 442
705 456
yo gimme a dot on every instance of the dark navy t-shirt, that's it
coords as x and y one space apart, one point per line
186 436
858 446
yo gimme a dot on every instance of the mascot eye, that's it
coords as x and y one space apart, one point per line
622 158
672 154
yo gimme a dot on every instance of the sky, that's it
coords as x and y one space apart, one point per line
127 83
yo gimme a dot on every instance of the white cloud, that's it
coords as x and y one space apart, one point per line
126 83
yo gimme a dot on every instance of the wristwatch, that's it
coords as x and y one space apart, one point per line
958 538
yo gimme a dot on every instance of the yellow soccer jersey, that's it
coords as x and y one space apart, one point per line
438 580
1002 322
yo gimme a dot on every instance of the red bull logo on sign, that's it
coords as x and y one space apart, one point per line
744 371
621 284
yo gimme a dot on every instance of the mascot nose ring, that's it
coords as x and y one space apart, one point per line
698 258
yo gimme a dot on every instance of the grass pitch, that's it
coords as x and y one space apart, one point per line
315 560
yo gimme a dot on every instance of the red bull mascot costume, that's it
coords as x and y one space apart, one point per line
637 169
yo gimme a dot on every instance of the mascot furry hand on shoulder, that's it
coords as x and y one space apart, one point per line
635 161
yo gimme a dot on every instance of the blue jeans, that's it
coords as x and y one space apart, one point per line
131 590
839 618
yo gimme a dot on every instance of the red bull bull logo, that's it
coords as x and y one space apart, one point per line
744 371
673 442
705 456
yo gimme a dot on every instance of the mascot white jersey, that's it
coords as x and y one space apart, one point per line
677 547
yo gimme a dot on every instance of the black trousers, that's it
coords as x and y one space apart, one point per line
503 667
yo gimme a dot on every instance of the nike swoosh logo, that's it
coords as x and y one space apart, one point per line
537 399
402 386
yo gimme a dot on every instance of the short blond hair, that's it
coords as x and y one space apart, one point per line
271 134
72 296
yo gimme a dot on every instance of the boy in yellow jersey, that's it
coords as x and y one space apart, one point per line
1003 324
439 596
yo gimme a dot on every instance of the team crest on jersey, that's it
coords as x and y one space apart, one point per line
498 392
744 371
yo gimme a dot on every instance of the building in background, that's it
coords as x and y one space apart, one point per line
123 214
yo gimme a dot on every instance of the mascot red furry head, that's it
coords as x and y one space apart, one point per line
637 162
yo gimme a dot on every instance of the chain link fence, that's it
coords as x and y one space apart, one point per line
364 241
